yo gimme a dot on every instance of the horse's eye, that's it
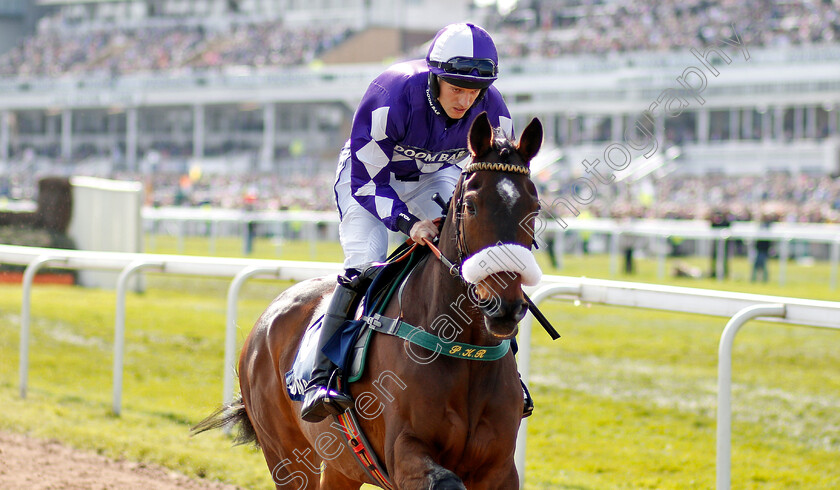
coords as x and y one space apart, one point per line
470 207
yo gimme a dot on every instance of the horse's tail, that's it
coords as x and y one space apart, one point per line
233 414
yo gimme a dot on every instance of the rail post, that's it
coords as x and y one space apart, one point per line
724 415
119 324
25 315
524 362
230 326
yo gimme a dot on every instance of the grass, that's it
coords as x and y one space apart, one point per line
626 399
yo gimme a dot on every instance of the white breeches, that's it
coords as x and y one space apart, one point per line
363 236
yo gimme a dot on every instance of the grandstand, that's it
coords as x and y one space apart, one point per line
656 91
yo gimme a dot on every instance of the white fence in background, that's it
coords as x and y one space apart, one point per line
655 233
738 307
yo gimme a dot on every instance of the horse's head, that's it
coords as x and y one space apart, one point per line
495 207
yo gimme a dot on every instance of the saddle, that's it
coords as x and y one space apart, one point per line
348 347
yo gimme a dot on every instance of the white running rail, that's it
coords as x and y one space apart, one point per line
738 307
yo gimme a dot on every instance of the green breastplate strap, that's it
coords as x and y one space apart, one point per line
432 342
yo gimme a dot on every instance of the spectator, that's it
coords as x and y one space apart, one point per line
720 221
762 253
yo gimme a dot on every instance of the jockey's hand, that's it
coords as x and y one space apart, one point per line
423 229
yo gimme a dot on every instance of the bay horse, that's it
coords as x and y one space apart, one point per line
433 421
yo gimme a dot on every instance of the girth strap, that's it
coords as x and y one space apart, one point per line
430 341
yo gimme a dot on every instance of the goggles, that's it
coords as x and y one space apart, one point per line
465 66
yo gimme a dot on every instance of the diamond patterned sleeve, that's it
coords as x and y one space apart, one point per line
498 111
376 126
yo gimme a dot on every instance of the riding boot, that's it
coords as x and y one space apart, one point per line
528 407
320 399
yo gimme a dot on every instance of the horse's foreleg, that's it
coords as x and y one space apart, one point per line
288 475
440 478
503 479
333 479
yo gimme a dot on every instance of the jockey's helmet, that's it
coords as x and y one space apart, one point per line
464 55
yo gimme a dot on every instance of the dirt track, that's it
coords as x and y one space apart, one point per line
27 463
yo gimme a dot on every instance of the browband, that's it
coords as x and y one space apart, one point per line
497 167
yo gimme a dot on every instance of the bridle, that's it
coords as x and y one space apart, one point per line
460 244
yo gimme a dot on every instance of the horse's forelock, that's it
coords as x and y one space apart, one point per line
502 142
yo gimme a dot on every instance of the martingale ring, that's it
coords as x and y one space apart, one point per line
497 167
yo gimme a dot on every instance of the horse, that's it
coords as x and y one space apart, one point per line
433 421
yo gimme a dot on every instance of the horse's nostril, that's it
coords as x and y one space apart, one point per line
514 310
520 310
493 310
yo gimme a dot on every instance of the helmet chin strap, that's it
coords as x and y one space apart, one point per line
432 94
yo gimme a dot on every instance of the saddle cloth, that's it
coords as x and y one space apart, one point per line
348 347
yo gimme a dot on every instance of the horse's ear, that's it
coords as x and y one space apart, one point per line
531 140
481 135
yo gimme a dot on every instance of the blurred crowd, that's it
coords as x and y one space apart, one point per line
57 51
780 197
546 28
252 191
549 28
534 28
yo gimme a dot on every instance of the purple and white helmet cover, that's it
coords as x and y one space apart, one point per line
462 41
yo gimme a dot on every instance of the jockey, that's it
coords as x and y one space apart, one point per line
407 141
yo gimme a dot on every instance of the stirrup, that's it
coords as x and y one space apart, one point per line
335 400
321 401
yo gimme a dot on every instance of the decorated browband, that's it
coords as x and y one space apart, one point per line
497 167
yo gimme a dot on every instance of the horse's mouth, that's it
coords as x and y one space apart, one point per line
502 330
503 322
502 312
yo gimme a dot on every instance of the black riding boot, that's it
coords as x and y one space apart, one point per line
528 409
320 399
528 406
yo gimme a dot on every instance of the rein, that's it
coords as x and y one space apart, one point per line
454 269
397 327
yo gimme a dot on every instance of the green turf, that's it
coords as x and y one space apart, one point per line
625 399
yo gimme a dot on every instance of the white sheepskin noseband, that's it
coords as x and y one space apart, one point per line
503 257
